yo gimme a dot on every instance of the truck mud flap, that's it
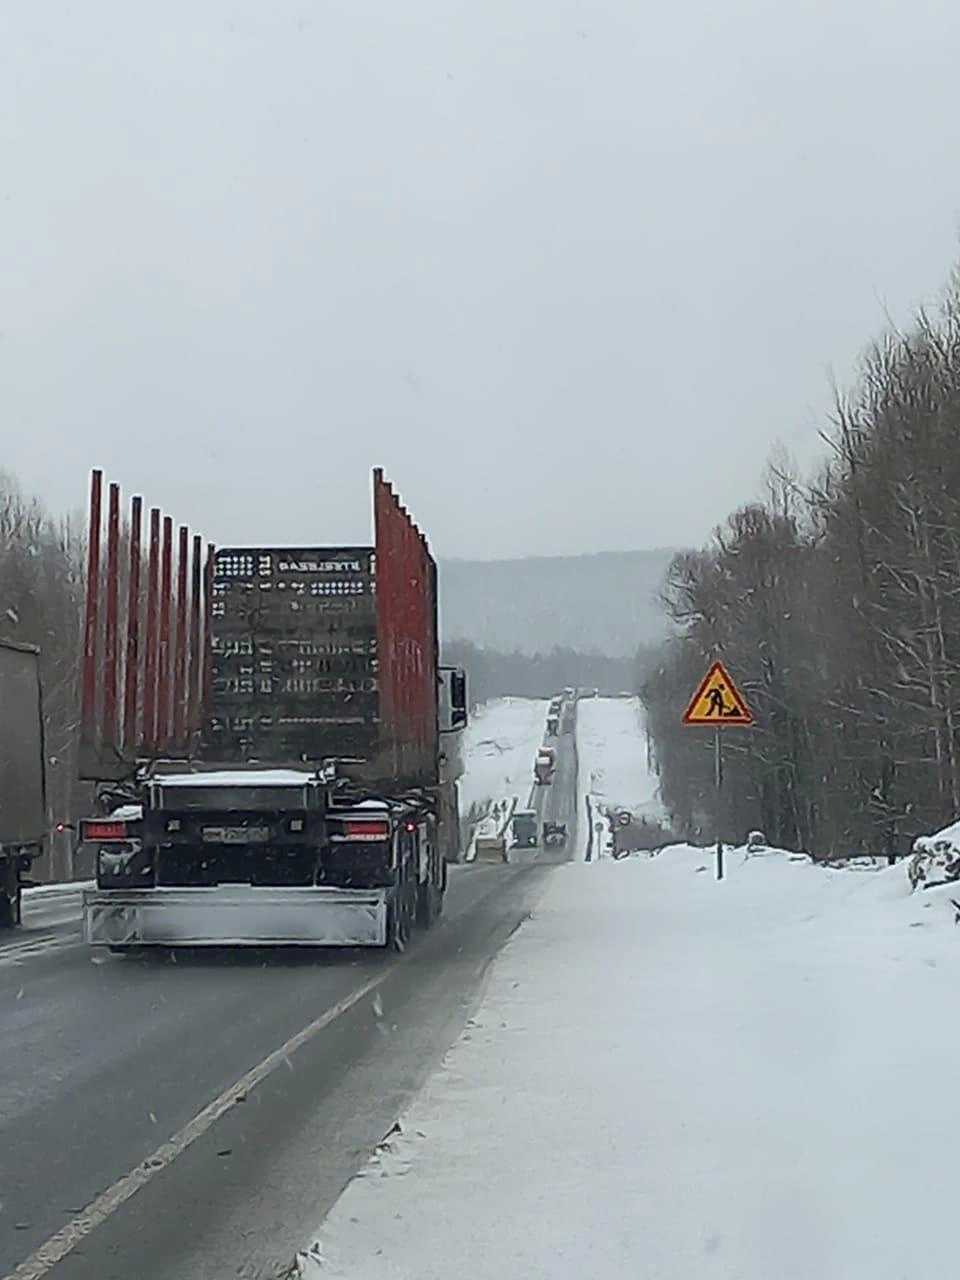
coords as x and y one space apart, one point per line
236 915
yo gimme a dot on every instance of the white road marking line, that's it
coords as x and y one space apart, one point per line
99 1210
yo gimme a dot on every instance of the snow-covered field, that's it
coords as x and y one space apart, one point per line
499 747
678 1078
612 759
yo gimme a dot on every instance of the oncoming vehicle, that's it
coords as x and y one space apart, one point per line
554 835
524 829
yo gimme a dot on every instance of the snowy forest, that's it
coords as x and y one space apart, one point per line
835 604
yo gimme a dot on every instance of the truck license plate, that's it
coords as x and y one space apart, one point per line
236 835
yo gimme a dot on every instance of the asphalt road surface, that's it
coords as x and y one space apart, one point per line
114 1165
556 802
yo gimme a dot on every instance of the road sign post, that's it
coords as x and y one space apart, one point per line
718 782
719 703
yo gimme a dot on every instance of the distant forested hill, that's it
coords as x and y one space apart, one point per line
604 603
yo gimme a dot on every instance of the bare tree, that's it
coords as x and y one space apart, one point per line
837 603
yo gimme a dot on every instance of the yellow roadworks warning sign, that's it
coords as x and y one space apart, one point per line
718 701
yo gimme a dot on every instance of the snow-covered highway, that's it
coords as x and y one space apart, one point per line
128 1148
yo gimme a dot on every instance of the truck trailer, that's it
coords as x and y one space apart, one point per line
23 806
266 738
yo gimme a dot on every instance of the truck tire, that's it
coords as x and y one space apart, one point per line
402 910
429 904
430 895
9 898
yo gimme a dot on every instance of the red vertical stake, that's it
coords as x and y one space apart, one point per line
164 725
398 554
394 553
132 666
88 714
207 676
409 604
402 623
428 659
196 657
382 587
111 622
419 619
151 639
406 572
181 642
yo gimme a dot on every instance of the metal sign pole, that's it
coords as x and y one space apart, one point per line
718 702
718 778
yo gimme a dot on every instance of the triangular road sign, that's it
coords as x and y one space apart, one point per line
718 701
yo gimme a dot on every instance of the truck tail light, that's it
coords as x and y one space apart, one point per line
91 829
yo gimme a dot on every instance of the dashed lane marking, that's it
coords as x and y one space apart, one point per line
14 953
62 1242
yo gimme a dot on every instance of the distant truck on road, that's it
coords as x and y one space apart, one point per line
23 805
490 849
524 829
545 766
266 738
555 835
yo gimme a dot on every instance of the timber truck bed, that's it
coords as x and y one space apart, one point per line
274 773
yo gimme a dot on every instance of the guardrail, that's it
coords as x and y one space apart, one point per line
61 889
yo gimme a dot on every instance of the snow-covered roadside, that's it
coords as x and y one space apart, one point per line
613 766
670 1077
499 747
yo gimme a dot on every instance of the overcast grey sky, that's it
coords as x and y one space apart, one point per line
566 270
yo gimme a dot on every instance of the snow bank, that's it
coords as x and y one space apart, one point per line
674 1077
936 858
499 747
614 770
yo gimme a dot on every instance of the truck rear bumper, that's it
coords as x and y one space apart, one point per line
236 915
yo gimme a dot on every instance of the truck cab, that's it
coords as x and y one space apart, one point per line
545 766
524 829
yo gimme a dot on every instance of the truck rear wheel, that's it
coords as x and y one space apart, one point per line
429 904
9 896
402 910
430 895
